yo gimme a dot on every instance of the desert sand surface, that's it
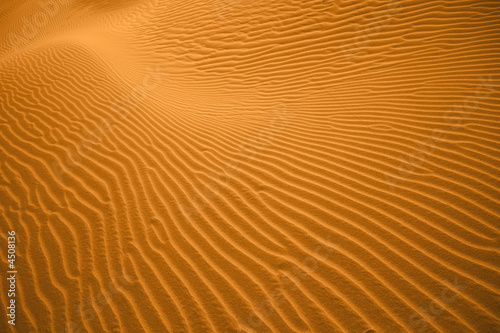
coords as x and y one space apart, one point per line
250 166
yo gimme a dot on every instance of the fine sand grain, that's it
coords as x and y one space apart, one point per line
251 166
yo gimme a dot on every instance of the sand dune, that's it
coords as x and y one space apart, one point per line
251 166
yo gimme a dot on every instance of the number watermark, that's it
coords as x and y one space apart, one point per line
11 277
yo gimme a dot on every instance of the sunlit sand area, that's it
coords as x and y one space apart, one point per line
250 166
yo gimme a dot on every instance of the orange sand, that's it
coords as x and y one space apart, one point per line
251 166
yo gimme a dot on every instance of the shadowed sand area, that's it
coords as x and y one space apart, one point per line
251 166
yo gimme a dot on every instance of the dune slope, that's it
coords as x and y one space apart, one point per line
251 166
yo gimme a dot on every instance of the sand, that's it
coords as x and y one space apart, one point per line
251 166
